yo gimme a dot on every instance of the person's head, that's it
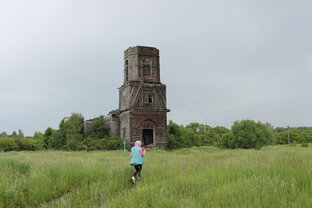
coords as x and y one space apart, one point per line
138 143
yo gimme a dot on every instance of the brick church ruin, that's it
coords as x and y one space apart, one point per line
142 112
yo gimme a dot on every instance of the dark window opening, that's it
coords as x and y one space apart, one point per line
146 70
148 136
126 69
148 99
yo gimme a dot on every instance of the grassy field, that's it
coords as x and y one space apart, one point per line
275 176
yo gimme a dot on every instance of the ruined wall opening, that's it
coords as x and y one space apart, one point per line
148 136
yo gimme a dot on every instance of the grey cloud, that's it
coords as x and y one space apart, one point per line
221 60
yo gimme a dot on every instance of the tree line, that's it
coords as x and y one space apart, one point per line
70 136
243 134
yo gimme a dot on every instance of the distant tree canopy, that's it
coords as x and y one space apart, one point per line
20 134
294 134
194 134
247 134
243 134
98 129
4 134
14 134
70 135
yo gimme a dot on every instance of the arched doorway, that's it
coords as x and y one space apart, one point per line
148 132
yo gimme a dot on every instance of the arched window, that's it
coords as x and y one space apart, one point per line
146 70
146 66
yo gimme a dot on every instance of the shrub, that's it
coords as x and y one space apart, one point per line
304 145
8 144
103 144
98 128
247 134
74 145
29 144
227 140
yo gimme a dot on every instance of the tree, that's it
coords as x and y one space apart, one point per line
73 125
4 135
14 134
57 139
248 134
70 132
205 134
183 137
20 134
219 131
46 137
38 135
98 128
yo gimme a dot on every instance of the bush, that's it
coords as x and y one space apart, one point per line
247 134
8 144
29 144
194 134
98 128
227 140
103 144
74 145
304 145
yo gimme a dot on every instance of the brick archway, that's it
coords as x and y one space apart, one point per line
147 124
147 130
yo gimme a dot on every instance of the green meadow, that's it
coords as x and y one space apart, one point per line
275 176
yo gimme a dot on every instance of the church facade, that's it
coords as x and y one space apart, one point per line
142 112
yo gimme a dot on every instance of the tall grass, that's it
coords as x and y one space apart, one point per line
276 176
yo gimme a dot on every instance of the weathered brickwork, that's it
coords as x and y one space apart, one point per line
142 113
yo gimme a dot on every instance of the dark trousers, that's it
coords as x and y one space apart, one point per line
138 169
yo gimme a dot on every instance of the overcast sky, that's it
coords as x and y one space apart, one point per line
222 60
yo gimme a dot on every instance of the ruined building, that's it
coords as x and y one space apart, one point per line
142 113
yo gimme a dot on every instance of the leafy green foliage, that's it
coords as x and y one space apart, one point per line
20 134
38 135
70 135
29 144
7 144
98 128
219 131
297 135
14 134
194 134
47 137
57 139
103 144
247 134
3 134
19 144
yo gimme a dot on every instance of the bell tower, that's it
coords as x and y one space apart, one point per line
142 98
141 64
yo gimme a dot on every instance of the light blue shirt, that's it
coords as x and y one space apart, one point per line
136 157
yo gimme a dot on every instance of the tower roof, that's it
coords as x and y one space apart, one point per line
141 50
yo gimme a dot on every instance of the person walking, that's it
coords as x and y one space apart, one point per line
137 159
